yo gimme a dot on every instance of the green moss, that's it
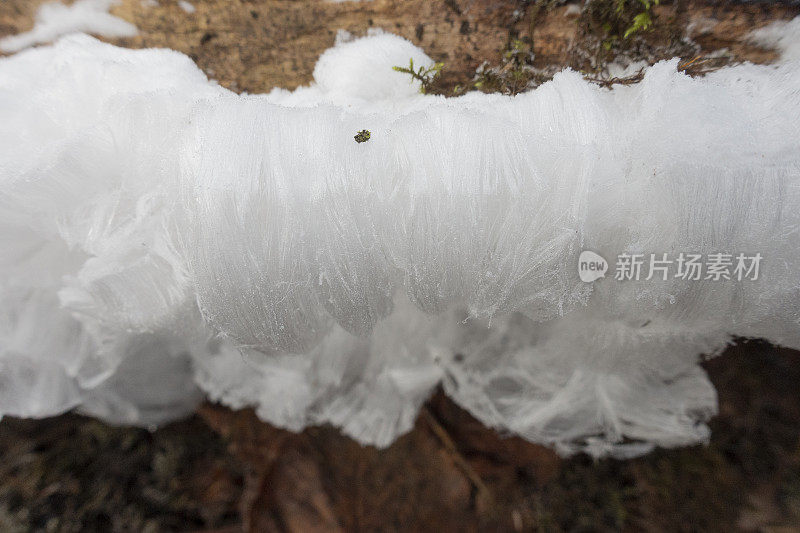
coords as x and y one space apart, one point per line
514 74
425 75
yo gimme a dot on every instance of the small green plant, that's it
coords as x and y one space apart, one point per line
513 75
642 21
615 22
425 75
362 136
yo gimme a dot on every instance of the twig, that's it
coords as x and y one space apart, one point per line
458 459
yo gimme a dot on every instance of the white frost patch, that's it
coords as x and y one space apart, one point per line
621 70
55 19
572 10
187 7
783 36
342 36
700 25
162 238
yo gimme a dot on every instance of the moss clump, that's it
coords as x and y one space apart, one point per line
362 136
513 75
